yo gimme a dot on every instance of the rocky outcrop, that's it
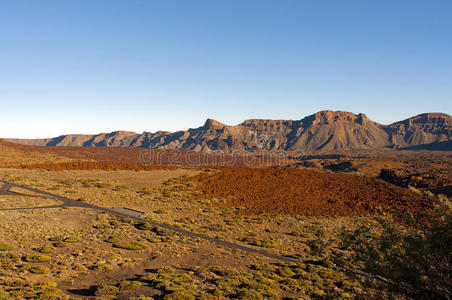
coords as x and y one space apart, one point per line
325 130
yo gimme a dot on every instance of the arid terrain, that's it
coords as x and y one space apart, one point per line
216 150
296 227
324 130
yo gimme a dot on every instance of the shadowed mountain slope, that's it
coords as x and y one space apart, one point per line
325 130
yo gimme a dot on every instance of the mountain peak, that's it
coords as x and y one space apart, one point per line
428 118
213 124
431 116
324 130
335 117
435 123
123 132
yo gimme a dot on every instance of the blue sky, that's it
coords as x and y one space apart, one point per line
98 66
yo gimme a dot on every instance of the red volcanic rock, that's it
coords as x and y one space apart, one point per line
309 193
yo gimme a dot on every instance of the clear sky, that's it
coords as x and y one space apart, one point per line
97 66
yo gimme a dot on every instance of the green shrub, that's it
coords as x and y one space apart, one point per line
60 244
11 256
130 245
45 249
39 269
346 296
154 239
106 290
5 295
417 261
6 247
415 190
249 295
101 226
180 295
121 187
285 272
145 226
23 267
38 258
163 231
113 239
72 239
101 185
147 191
129 285
444 200
103 268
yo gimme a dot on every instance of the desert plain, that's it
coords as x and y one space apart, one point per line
331 225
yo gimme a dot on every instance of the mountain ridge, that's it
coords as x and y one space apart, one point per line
324 130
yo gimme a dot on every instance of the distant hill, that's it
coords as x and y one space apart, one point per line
325 130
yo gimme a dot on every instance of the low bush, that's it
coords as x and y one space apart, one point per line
5 295
180 295
264 281
38 258
6 247
113 239
121 187
102 268
418 262
39 270
72 239
60 244
163 231
45 249
107 290
145 226
129 285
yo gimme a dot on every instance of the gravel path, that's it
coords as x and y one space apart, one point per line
131 214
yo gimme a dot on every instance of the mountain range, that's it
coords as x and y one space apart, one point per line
324 130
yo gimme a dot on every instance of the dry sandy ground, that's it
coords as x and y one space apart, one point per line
87 256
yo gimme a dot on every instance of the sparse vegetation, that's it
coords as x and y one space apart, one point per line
130 245
39 269
129 285
267 243
121 187
107 290
45 249
416 262
6 247
72 239
38 258
93 244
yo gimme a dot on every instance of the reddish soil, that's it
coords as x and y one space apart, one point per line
309 193
92 165
139 155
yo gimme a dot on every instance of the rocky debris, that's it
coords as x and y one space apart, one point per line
308 192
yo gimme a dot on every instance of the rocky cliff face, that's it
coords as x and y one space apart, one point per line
421 129
325 130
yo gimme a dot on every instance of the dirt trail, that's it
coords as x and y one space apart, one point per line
124 213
